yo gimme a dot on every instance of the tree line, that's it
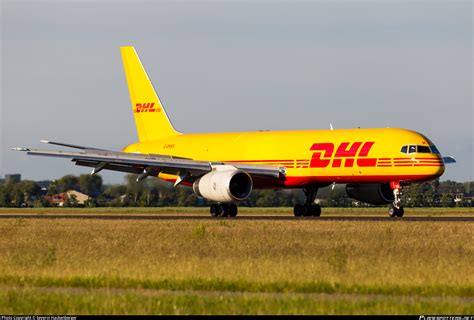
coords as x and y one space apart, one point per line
156 193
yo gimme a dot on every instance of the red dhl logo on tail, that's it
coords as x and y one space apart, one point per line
145 107
345 151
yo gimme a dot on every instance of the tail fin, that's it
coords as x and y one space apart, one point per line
150 116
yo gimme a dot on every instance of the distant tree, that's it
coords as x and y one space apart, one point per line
447 200
451 187
185 197
267 198
167 197
436 194
468 186
5 196
90 184
19 193
29 189
134 189
91 203
66 183
115 190
334 197
112 196
53 188
45 203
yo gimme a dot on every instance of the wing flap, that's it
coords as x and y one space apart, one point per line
110 166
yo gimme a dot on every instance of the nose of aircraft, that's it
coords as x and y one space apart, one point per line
439 168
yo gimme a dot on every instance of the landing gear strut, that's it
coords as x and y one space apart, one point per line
309 208
224 210
396 209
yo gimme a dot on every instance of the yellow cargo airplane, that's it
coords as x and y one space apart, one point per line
224 167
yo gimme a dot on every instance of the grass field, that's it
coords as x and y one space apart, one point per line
235 266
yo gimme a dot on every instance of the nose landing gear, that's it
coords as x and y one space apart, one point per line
396 209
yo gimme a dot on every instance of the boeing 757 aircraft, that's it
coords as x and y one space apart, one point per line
224 167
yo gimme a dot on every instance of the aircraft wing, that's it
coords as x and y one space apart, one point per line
149 164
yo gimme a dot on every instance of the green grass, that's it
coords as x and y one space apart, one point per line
217 285
40 301
235 267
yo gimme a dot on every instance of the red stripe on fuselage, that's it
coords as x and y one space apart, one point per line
308 180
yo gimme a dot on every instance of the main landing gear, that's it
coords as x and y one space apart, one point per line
224 210
396 209
309 208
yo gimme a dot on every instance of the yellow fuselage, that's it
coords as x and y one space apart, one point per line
310 156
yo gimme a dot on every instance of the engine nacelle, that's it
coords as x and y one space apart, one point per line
373 193
224 184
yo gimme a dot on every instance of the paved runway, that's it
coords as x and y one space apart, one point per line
243 217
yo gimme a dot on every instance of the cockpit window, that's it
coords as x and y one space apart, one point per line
419 149
423 149
434 150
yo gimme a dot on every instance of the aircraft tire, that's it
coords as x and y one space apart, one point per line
233 210
298 210
307 211
400 212
316 210
216 210
394 212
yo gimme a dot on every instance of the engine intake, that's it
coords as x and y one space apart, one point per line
224 184
373 193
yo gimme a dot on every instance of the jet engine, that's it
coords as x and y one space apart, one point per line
224 184
373 193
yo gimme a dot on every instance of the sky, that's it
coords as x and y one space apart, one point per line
234 66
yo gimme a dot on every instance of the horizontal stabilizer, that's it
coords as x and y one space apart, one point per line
448 160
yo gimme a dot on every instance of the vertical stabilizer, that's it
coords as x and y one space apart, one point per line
150 116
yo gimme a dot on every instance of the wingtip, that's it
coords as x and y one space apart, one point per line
44 141
20 149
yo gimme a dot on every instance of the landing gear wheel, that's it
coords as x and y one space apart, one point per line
395 212
224 210
231 210
401 212
307 210
216 210
316 210
298 210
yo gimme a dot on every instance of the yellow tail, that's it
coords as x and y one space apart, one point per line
150 116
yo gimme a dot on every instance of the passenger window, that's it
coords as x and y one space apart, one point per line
411 149
423 149
404 149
